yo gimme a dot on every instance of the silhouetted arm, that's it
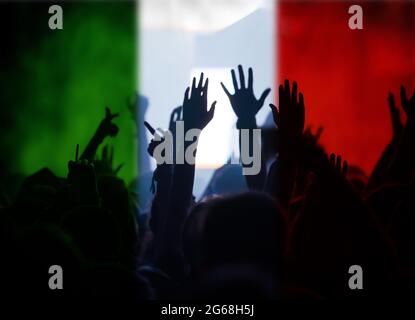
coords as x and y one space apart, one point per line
105 129
402 166
289 118
195 116
246 106
162 177
379 173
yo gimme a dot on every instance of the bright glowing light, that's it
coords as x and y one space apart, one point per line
176 42
195 15
219 138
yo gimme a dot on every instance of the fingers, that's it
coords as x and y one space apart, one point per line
235 83
391 100
404 99
149 128
301 101
118 168
280 95
394 111
211 112
341 167
294 93
241 76
179 113
250 79
345 168
275 113
318 133
226 90
339 164
152 145
186 94
286 90
301 112
200 81
109 115
206 84
264 95
175 115
205 89
332 160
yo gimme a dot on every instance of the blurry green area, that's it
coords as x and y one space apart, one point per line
66 79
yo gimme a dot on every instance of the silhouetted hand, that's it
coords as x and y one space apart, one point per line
311 137
195 113
176 115
408 105
289 116
397 126
105 164
341 167
401 167
107 127
243 101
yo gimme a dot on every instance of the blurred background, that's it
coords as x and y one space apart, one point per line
55 84
346 74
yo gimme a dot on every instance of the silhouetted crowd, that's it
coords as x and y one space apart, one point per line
290 232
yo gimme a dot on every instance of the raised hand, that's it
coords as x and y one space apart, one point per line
243 101
289 116
313 137
338 165
408 105
195 112
402 165
107 127
397 126
105 164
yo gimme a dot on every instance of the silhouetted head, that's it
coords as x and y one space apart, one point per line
38 193
115 197
246 228
227 180
193 230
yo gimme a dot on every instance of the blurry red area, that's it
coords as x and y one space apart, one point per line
345 74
